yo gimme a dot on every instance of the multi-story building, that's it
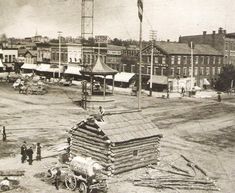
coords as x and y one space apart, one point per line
43 53
173 60
222 41
114 57
9 57
30 56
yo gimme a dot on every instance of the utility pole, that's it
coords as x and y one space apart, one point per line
192 47
152 39
59 36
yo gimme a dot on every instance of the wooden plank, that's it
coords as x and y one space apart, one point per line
12 172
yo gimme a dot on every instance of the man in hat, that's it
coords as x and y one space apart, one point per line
38 152
30 155
57 177
23 152
3 132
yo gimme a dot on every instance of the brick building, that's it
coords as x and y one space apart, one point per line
172 59
221 40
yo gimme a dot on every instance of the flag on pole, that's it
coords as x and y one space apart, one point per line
140 9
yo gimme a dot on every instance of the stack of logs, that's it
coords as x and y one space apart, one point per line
88 140
178 178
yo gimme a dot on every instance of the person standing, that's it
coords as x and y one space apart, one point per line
38 152
57 178
23 152
4 135
219 97
30 155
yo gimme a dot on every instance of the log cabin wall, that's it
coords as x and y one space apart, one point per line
119 145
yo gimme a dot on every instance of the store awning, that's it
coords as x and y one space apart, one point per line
9 65
43 67
206 82
1 65
159 80
75 70
57 69
122 77
29 66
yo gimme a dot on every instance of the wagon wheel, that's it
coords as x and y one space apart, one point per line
83 187
70 182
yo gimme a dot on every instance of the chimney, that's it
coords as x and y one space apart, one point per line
168 40
204 33
225 32
220 31
213 32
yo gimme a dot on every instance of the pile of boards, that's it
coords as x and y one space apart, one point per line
176 178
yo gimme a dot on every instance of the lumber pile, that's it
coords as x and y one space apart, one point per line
119 146
12 172
177 178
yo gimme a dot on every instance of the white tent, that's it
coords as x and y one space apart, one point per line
75 70
29 66
1 65
122 77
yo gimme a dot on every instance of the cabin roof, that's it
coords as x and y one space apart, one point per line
128 126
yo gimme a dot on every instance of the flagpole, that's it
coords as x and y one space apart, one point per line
191 46
140 13
140 64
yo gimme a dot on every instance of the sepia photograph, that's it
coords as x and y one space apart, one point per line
117 96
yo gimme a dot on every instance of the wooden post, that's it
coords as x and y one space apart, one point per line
104 86
113 84
91 84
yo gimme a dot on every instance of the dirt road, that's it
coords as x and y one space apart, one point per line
201 129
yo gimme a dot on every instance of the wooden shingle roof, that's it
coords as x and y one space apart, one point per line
128 126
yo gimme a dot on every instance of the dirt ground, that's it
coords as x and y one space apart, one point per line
201 129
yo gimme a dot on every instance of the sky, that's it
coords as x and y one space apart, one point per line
116 18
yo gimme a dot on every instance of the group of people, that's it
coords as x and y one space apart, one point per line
28 153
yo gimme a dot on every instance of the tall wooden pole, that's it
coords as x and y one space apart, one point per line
140 65
59 33
191 46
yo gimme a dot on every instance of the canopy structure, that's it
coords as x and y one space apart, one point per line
102 69
206 82
74 70
1 65
29 66
159 80
122 77
43 67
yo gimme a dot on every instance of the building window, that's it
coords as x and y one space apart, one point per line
163 71
189 71
6 58
135 153
185 60
142 69
13 57
155 70
218 70
202 71
10 59
185 71
172 59
195 71
219 60
213 71
196 59
148 69
214 58
207 71
208 59
202 60
164 60
156 61
178 71
133 68
179 60
124 68
172 72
